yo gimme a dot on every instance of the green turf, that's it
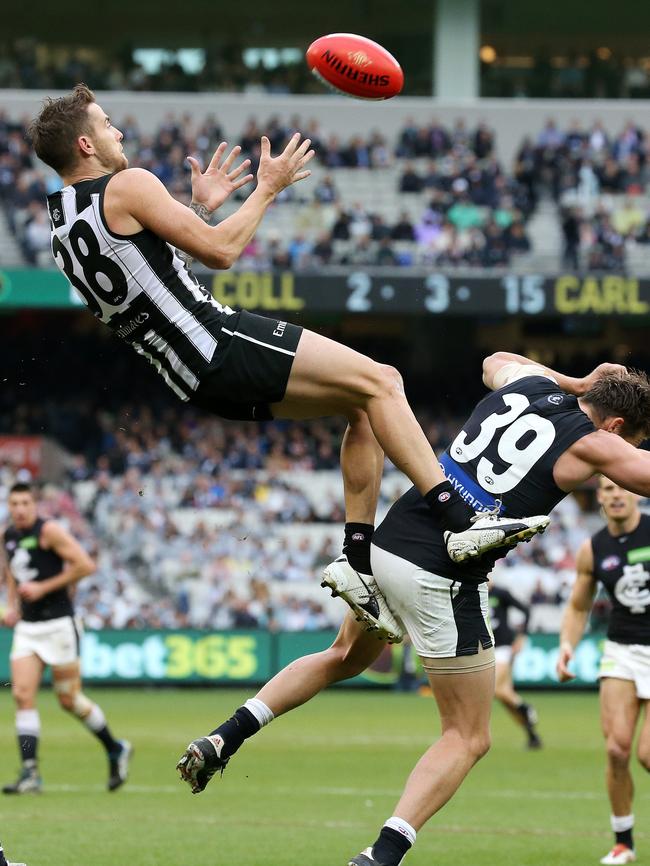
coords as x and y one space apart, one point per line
311 790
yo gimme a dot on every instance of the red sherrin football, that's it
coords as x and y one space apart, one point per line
355 66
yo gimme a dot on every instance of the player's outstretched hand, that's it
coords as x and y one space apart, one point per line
213 186
600 371
565 655
277 173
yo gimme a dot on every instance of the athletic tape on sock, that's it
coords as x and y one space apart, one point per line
621 823
28 723
402 827
259 709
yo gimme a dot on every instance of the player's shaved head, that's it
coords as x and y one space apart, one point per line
55 131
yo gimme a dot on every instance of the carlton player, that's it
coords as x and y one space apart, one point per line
43 563
535 438
618 557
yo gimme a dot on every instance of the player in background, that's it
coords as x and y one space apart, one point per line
116 235
44 562
507 643
617 557
535 438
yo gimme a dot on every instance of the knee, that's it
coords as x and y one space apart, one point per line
23 697
479 745
618 751
385 381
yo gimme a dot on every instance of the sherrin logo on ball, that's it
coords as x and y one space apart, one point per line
355 66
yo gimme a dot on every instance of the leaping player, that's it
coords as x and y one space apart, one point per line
617 557
116 235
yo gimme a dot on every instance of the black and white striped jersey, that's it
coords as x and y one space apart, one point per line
137 285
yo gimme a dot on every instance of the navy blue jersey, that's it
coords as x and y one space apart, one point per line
29 561
622 565
506 451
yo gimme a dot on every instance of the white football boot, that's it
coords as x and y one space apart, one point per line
489 531
619 854
361 593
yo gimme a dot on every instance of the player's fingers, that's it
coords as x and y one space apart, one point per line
219 152
195 166
232 156
306 158
292 144
239 170
265 146
300 175
242 181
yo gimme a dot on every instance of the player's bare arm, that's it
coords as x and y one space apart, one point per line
12 613
77 563
609 454
577 610
502 368
136 199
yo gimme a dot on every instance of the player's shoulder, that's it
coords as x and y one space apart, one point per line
136 177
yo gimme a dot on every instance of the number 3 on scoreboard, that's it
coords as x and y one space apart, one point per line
539 434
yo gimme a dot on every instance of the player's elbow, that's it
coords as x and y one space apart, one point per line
490 365
89 566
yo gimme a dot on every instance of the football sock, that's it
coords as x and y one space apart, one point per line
524 711
622 825
394 841
3 860
246 721
449 510
95 721
28 729
356 546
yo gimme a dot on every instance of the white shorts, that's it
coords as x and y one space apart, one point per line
503 654
444 618
53 641
622 661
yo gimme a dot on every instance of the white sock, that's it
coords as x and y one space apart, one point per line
28 723
402 827
95 720
621 823
261 712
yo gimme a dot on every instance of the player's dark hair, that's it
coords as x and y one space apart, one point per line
626 395
22 487
54 132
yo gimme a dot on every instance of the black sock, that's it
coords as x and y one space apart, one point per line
449 510
390 847
27 746
356 545
3 860
625 838
235 730
112 746
524 711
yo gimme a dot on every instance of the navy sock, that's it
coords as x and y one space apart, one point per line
235 730
356 546
27 746
625 838
449 511
390 847
3 861
108 741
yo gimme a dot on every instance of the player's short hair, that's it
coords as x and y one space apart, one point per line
22 487
624 395
54 132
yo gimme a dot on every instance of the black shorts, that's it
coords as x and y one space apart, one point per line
251 368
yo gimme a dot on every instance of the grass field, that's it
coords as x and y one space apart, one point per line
311 789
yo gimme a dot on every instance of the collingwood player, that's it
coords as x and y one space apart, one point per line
507 643
617 557
116 235
538 436
44 562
